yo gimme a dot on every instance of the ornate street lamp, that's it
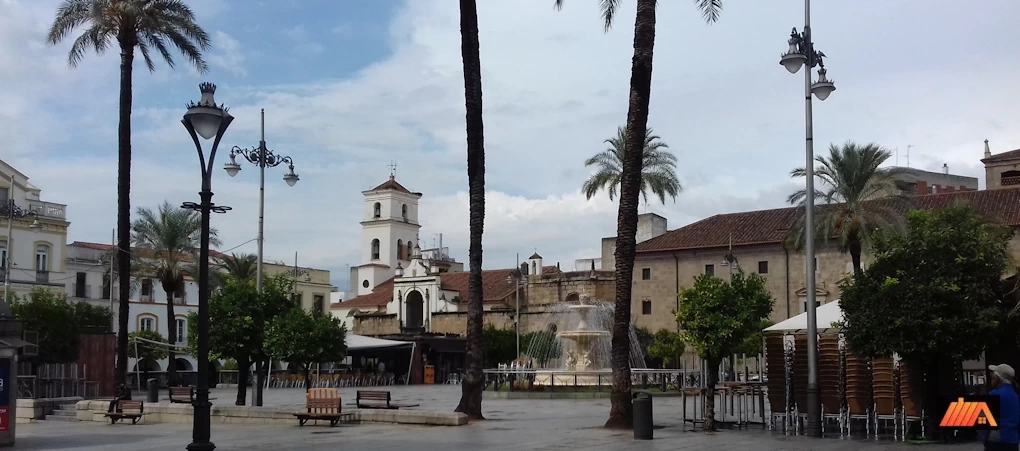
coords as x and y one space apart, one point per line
263 158
207 120
802 52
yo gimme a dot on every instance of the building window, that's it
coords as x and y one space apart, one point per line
377 210
375 249
410 250
42 258
146 289
364 283
319 303
182 329
400 250
403 212
710 270
763 267
3 195
803 304
79 285
646 273
147 323
534 267
106 286
3 254
646 307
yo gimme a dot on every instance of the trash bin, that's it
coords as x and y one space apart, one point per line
152 385
642 416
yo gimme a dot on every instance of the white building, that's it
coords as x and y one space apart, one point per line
389 229
36 246
88 266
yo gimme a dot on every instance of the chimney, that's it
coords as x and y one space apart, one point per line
945 168
988 152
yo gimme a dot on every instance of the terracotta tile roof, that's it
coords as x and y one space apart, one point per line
381 295
494 287
392 184
141 252
773 226
1004 156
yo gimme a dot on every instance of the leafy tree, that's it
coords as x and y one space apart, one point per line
668 346
471 388
620 411
499 345
171 237
50 315
932 295
239 317
850 177
754 344
93 318
148 25
542 346
658 168
716 317
306 338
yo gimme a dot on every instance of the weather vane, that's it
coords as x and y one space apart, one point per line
393 168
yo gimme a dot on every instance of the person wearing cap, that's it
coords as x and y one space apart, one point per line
1008 436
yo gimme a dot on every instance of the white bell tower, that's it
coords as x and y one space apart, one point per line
389 228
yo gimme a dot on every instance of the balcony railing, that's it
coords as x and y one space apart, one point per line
1010 181
48 209
42 276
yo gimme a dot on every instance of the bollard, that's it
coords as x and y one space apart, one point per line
153 390
642 416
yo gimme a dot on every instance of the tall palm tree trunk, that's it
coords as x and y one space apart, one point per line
124 209
471 394
171 336
854 246
620 412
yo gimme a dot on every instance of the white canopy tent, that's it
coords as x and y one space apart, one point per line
825 315
360 342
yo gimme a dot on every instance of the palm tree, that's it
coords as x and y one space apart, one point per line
149 25
658 168
850 180
471 389
630 190
169 238
237 266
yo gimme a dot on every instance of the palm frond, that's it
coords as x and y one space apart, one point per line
710 9
658 173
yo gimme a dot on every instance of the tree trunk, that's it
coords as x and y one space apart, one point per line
260 378
620 412
712 379
171 336
243 364
307 369
124 208
471 388
855 256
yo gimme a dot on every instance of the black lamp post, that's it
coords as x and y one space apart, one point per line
207 120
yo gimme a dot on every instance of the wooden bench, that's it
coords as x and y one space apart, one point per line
378 400
323 404
182 395
127 409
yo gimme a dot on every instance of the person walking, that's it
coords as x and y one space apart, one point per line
1007 437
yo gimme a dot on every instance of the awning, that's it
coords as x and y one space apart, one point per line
825 315
360 342
12 342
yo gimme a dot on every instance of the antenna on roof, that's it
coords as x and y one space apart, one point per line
908 154
393 168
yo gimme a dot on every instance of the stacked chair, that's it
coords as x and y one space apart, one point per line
884 392
800 377
775 364
829 378
858 389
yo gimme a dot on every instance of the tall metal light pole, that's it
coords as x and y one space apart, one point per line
802 52
207 120
515 277
12 212
261 157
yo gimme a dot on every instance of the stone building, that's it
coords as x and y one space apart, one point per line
759 242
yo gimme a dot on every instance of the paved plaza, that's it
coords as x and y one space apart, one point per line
511 425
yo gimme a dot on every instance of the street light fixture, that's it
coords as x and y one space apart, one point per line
515 278
802 53
263 158
210 121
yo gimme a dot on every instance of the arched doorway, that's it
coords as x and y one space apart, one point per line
415 310
573 298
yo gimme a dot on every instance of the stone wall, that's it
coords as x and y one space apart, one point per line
373 325
456 322
571 286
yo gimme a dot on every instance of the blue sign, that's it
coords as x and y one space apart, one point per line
5 382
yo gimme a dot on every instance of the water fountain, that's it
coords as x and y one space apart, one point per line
580 357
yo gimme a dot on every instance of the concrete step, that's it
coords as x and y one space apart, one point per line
62 413
65 418
68 407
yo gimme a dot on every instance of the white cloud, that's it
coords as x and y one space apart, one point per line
227 54
555 86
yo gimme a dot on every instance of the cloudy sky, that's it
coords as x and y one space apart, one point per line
350 85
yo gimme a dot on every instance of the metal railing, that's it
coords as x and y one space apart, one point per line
42 276
48 209
58 381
